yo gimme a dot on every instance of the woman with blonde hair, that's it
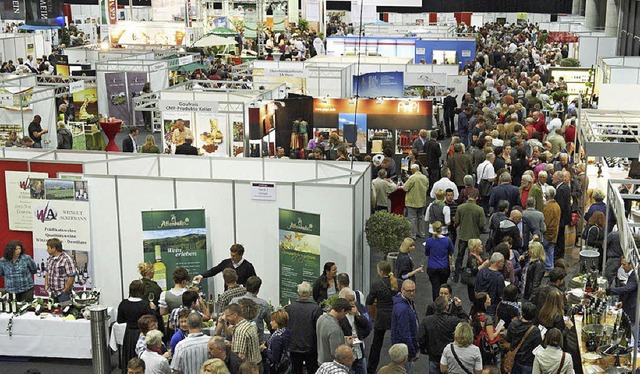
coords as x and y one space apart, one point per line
404 263
475 262
534 270
380 305
439 250
151 287
149 145
461 352
214 366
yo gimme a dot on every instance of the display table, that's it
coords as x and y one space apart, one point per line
46 337
110 129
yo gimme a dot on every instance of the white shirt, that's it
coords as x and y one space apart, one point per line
135 145
155 363
485 171
446 211
443 184
554 124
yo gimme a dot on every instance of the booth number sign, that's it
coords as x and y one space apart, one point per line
199 106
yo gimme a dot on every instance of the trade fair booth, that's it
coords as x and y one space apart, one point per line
619 70
592 46
151 33
13 46
120 80
18 106
247 201
93 53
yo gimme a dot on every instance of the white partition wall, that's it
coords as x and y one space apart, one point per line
619 96
338 191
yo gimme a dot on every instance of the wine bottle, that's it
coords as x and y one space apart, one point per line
160 270
14 306
588 287
211 304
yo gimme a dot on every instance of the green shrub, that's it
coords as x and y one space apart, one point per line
570 62
385 231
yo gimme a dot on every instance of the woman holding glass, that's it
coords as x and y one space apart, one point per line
152 290
17 268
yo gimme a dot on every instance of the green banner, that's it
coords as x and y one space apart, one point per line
299 244
172 239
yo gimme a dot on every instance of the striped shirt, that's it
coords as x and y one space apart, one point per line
332 367
18 275
245 341
191 353
225 299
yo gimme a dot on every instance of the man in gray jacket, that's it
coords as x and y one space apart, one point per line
330 335
535 216
303 315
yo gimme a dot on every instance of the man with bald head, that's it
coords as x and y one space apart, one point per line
420 143
404 321
343 359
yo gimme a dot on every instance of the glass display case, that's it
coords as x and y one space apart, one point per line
379 139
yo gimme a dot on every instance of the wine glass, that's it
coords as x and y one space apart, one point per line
151 297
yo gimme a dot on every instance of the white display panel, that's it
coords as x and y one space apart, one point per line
336 234
231 169
257 230
361 258
623 75
328 169
104 237
134 196
294 170
99 168
80 156
135 166
619 96
217 198
175 167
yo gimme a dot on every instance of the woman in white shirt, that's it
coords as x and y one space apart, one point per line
552 359
461 356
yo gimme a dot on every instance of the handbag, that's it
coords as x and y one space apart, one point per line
283 365
467 276
484 186
455 355
509 358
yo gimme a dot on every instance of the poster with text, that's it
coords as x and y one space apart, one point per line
136 82
64 217
21 186
299 244
379 84
237 126
173 239
117 97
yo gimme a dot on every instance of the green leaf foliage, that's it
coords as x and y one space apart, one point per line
385 231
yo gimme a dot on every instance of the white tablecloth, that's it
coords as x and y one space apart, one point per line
117 335
48 337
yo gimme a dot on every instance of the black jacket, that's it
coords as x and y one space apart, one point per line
515 333
319 292
127 144
449 104
303 315
186 149
382 294
563 198
244 271
535 273
436 331
627 295
404 265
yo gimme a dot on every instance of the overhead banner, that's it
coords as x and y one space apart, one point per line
44 12
173 239
12 10
250 23
21 187
62 212
299 251
117 97
381 84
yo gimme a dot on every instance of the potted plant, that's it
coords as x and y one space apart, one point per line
385 232
570 62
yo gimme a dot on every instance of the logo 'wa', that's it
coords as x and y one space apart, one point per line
25 183
46 214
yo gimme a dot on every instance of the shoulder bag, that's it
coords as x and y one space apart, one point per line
455 355
484 185
561 363
509 358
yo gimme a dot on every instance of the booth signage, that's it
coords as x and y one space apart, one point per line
466 53
184 60
21 186
6 99
420 51
299 244
156 67
76 86
61 210
286 72
173 239
198 106
112 9
263 191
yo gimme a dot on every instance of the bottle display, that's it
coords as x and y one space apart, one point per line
160 270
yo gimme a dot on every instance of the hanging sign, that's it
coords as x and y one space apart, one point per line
286 72
6 99
189 106
263 191
184 60
76 86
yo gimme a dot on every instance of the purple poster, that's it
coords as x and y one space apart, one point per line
135 83
117 96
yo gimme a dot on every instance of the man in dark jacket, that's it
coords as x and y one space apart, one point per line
563 198
516 332
627 292
491 281
436 331
404 320
504 191
186 148
433 152
449 105
556 282
243 268
520 229
303 315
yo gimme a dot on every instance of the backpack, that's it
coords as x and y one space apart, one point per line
488 348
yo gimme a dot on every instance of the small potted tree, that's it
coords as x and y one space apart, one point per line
385 232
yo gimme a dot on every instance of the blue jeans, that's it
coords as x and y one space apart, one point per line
434 367
549 249
521 369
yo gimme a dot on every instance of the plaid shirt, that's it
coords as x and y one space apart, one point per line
225 299
18 275
59 269
245 340
174 321
332 367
